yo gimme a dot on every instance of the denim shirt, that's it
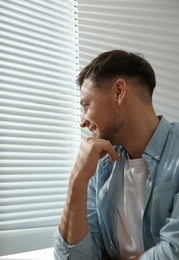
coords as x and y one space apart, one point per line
160 220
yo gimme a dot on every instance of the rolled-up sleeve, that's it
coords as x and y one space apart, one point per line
64 251
91 246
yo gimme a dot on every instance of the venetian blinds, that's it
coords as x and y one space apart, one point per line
39 113
149 27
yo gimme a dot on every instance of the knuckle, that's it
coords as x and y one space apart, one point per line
86 139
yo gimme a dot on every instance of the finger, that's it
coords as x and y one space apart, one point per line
105 147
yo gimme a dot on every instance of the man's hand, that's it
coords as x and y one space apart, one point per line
90 151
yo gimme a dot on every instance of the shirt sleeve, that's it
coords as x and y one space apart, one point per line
64 251
89 248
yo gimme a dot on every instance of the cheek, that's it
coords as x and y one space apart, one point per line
100 113
93 114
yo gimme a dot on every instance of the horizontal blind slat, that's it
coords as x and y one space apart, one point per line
30 11
147 27
39 113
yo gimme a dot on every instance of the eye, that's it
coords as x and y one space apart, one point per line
85 106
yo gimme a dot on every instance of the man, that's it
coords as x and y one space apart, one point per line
123 197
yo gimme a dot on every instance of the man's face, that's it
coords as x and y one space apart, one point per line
100 113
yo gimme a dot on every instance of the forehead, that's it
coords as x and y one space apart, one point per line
88 90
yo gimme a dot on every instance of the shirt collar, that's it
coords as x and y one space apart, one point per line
154 147
157 142
106 160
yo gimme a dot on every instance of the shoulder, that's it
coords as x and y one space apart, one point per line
175 129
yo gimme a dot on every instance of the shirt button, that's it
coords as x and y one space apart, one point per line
111 247
156 156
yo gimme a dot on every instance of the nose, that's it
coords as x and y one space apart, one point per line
84 122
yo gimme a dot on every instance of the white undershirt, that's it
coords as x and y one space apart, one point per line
130 209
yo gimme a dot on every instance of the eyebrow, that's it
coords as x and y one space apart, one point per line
82 102
85 99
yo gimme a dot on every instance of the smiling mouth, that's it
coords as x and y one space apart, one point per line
92 129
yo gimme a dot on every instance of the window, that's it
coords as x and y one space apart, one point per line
140 26
39 113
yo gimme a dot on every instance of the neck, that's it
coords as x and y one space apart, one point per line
137 137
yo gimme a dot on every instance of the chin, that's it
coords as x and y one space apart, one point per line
100 135
105 137
95 135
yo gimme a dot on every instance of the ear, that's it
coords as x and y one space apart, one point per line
120 88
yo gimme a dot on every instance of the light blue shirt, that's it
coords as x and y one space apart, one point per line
160 221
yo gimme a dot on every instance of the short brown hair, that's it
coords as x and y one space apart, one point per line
119 63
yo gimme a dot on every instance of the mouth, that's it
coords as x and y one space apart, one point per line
92 128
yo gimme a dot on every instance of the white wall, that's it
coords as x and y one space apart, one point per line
150 27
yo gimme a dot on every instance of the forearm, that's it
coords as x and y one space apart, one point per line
73 225
74 220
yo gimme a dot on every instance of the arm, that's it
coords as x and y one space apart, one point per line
74 223
168 247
